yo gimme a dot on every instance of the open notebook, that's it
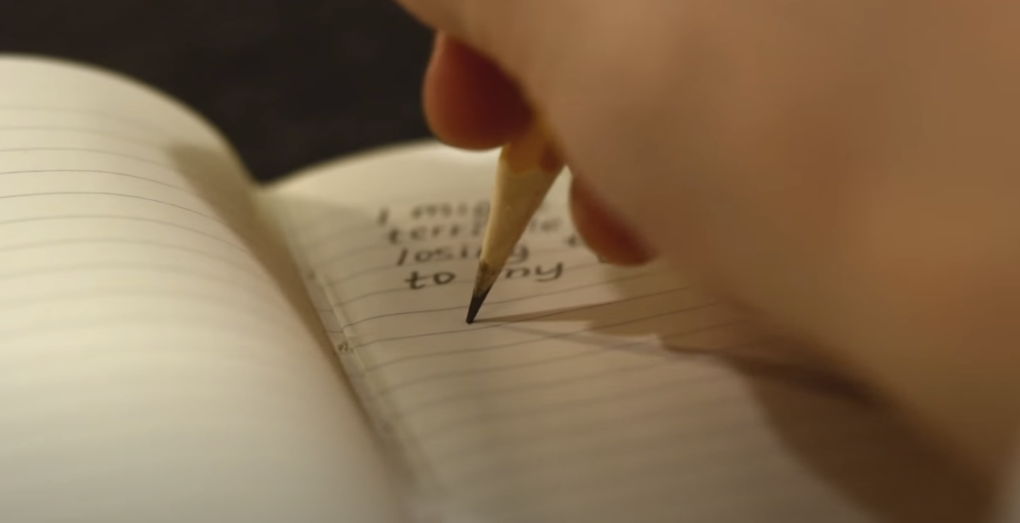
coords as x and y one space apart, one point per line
178 344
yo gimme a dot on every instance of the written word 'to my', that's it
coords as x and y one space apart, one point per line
539 273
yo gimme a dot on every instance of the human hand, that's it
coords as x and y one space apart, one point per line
846 169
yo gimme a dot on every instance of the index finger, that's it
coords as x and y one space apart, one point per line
469 101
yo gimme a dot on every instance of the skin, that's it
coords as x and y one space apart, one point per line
846 170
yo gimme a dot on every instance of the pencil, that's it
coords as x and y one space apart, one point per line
528 167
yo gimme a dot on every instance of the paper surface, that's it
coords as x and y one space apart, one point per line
585 392
155 365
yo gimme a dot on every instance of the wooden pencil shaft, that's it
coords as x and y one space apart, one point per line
527 170
528 167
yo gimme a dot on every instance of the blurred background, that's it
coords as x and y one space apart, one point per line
290 82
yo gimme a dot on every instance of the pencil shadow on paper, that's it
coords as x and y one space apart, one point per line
792 387
774 361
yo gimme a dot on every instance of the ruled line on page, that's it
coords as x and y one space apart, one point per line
56 298
227 319
781 372
116 217
98 152
85 131
597 345
250 268
114 195
532 317
143 125
505 301
278 309
424 407
604 351
550 407
151 268
95 171
572 335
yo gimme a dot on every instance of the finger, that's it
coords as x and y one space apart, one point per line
469 102
602 231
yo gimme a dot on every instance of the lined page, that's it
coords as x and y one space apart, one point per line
156 363
584 392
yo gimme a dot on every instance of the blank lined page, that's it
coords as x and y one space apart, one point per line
155 365
584 392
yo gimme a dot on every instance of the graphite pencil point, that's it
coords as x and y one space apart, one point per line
476 305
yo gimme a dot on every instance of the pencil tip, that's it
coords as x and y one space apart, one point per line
484 281
477 299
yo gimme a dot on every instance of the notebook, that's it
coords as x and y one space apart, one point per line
178 344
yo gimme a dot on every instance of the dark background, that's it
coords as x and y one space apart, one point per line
289 82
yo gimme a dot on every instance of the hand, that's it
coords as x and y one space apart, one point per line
472 104
847 168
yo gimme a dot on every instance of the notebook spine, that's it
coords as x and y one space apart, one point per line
378 413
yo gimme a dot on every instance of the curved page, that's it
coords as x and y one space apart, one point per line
157 362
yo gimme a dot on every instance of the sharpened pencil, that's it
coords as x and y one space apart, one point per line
528 167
